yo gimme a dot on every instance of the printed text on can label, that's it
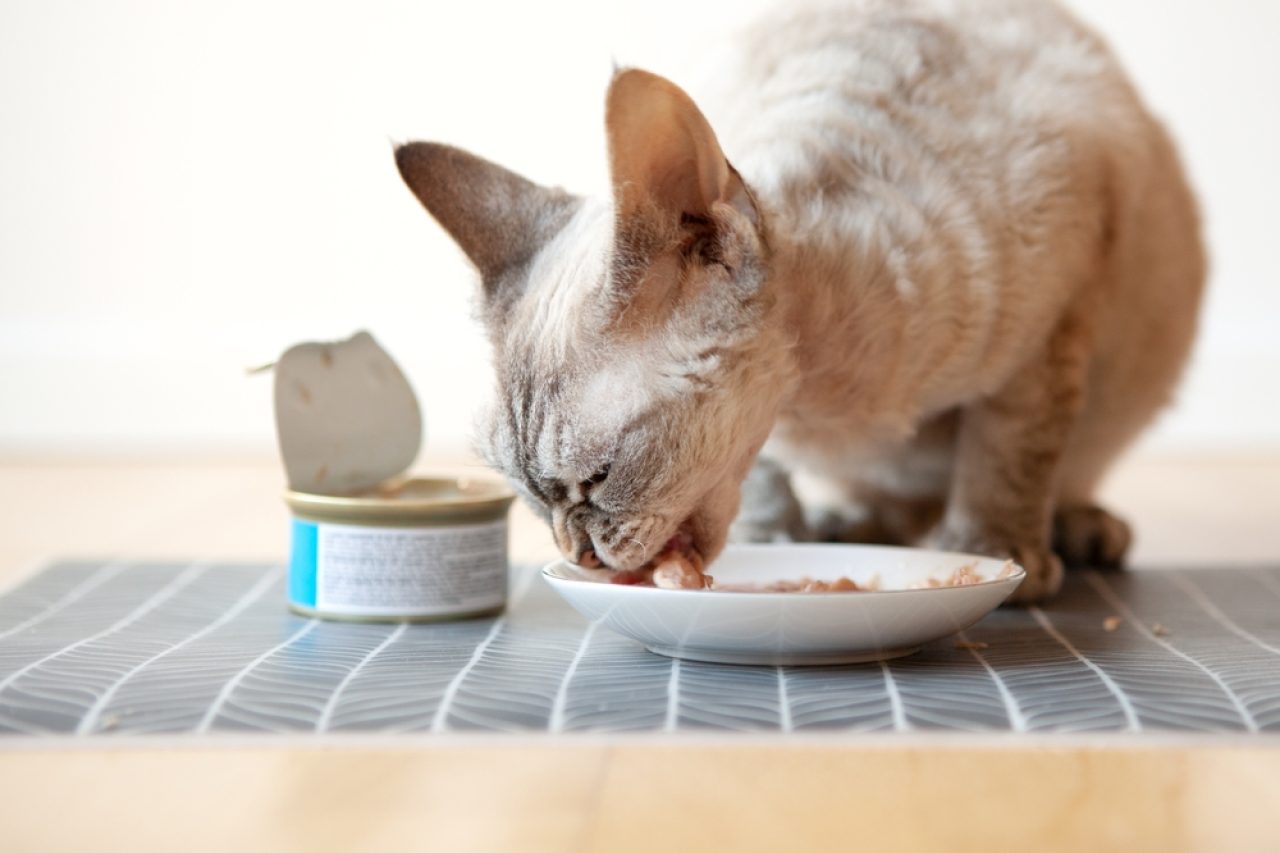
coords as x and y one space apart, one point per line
408 570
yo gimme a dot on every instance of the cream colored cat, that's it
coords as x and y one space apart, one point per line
948 271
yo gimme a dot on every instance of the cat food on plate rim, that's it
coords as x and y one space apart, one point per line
423 549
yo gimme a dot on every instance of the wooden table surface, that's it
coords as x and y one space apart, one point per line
529 794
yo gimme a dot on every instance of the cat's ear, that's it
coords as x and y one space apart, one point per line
498 218
664 158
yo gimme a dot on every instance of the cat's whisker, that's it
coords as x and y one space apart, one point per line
644 552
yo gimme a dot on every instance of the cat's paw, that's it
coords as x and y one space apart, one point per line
1044 575
1043 567
1088 535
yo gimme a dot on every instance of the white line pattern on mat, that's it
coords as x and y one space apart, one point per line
900 722
439 721
1134 724
672 720
80 590
144 650
1017 721
227 689
90 719
556 721
1191 589
326 715
1104 589
784 701
1268 581
159 597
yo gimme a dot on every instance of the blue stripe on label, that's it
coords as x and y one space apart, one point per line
302 563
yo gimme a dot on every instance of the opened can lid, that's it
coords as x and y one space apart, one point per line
346 418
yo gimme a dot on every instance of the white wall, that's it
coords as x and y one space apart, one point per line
187 188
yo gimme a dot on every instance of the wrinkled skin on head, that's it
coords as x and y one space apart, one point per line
638 372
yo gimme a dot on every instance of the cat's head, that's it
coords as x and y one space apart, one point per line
638 371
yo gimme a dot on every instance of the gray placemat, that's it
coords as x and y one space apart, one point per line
118 648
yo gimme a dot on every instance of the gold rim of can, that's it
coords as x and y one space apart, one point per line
426 501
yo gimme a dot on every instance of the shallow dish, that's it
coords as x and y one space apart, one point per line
796 627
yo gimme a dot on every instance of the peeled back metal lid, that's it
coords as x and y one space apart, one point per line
346 418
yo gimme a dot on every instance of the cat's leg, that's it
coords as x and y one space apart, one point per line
890 497
1008 452
855 511
769 511
839 509
778 506
1084 533
1115 411
1155 275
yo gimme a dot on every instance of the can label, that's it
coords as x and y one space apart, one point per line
398 571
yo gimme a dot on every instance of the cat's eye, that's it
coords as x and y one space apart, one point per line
595 479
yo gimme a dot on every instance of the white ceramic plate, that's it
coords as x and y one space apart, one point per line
793 627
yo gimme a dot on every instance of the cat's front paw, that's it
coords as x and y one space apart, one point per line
1085 535
1043 567
1044 575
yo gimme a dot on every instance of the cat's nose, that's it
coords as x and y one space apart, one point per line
573 539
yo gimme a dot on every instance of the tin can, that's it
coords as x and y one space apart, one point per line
422 549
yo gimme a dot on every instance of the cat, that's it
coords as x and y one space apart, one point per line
949 271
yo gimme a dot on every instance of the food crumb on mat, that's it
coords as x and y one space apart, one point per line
1159 630
972 645
1111 623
